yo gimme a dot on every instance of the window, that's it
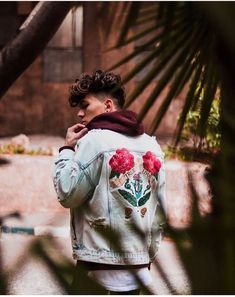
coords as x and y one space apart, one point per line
62 58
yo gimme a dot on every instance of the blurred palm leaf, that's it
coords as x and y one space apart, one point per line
63 269
177 36
4 161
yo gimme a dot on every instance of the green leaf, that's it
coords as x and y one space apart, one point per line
114 174
199 91
144 199
188 101
211 87
129 197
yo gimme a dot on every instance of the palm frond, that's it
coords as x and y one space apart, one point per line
159 50
210 90
179 21
171 94
178 60
129 20
108 9
186 76
168 17
149 8
145 13
183 37
200 88
188 102
139 35
146 19
175 21
159 24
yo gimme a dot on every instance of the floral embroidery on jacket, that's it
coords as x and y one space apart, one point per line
151 163
121 162
134 178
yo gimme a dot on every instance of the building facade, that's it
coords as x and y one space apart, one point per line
37 103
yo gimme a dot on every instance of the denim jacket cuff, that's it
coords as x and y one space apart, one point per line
66 147
66 151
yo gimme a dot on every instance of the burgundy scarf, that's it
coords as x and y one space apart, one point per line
121 121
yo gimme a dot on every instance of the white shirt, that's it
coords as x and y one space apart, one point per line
121 280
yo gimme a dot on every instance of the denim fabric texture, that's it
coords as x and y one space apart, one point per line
114 187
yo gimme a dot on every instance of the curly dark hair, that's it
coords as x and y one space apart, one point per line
97 83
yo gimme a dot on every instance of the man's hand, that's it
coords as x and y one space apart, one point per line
74 133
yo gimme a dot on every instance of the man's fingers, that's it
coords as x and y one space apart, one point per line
72 137
76 127
82 133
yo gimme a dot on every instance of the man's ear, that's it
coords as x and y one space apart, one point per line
109 105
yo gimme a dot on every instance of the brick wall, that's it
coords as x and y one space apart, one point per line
32 106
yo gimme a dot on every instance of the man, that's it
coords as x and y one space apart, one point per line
111 176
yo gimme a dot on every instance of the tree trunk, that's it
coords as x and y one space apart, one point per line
30 42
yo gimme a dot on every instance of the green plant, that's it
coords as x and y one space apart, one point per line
19 149
210 142
193 147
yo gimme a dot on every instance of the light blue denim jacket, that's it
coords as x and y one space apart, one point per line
111 182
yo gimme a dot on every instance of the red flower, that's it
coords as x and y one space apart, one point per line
151 163
122 161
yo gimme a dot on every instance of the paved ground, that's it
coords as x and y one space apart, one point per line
37 279
34 278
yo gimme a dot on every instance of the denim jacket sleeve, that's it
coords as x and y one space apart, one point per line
73 179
